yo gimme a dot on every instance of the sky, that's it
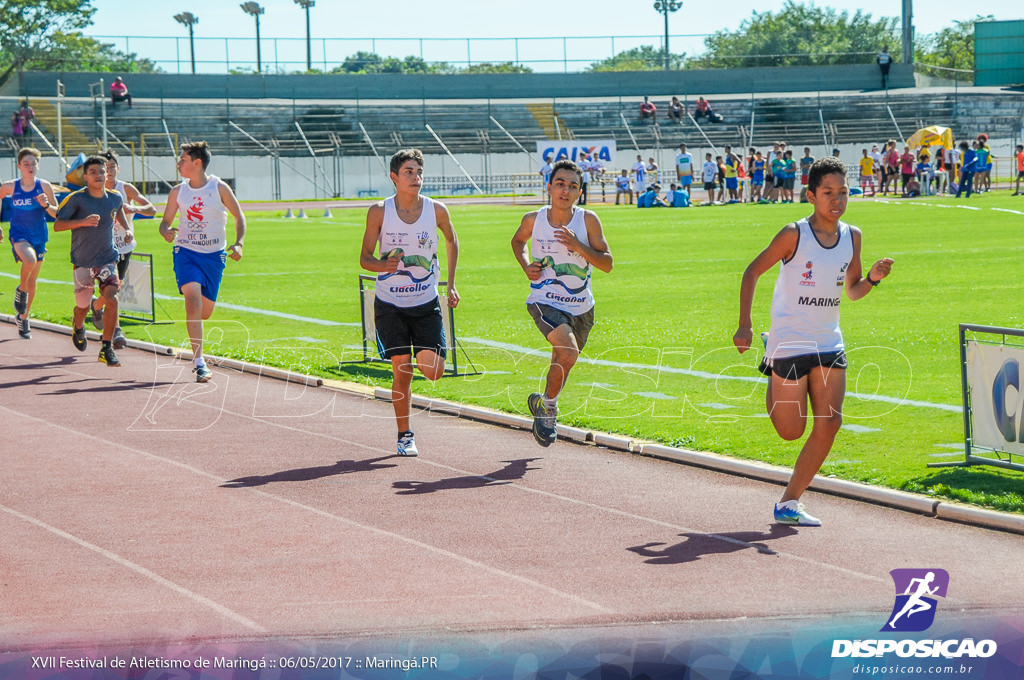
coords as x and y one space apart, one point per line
342 27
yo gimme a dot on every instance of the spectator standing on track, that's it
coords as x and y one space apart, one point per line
200 241
557 248
119 93
906 168
879 165
867 174
31 200
891 157
639 176
1020 167
709 172
89 215
134 202
805 166
585 169
730 164
884 61
652 170
684 168
757 167
407 308
983 178
545 172
804 351
967 170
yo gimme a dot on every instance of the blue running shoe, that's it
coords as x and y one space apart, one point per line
203 374
792 512
544 420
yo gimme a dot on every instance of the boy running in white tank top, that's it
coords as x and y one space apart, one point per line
804 353
200 241
134 203
407 312
565 242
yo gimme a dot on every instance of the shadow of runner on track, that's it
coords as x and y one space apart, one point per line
697 545
516 469
116 387
342 467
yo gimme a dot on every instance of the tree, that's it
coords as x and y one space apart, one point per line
800 34
28 28
951 47
643 58
75 52
503 67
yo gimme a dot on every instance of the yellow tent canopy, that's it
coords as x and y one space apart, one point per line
933 135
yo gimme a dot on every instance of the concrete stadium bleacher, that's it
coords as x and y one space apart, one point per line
466 126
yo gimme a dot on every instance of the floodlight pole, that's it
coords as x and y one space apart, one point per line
908 31
666 6
253 8
189 19
306 4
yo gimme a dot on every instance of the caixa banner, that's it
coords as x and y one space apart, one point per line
603 149
995 375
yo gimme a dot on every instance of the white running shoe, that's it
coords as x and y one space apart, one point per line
407 444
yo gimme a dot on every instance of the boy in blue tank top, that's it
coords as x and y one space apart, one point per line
31 199
804 353
556 247
406 308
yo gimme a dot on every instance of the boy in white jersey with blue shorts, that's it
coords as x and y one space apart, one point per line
406 308
200 241
134 203
804 355
565 242
31 200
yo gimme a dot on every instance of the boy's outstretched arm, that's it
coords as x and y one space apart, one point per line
782 248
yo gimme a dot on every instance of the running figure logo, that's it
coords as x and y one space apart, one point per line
195 212
914 610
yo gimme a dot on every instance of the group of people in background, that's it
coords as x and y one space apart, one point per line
964 167
21 127
676 110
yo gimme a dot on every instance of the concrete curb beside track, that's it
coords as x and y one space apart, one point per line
900 500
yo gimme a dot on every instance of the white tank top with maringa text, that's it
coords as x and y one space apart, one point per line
119 232
805 306
415 282
202 226
565 277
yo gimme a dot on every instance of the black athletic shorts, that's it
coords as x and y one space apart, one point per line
122 264
794 368
548 318
409 330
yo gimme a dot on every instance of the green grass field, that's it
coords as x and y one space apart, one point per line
660 364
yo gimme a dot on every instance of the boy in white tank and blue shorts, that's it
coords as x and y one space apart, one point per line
407 311
804 350
200 241
557 247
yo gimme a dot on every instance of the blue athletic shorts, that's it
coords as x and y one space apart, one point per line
686 180
39 247
206 269
731 183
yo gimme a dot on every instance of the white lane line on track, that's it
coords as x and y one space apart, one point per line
898 401
111 444
467 473
139 569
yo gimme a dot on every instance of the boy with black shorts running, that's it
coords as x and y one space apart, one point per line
804 351
557 246
406 308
